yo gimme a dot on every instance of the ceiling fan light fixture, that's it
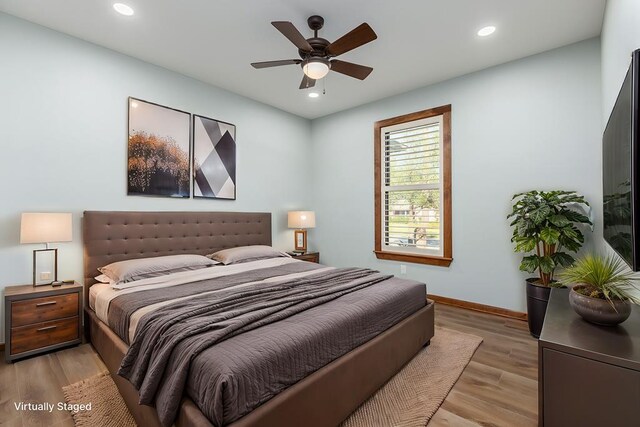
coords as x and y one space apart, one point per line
486 31
123 9
315 68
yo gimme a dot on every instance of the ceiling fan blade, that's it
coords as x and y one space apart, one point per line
307 82
291 32
267 64
357 37
350 69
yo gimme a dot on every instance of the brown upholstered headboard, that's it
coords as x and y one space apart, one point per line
115 236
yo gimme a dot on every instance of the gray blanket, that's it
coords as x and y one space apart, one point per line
122 307
168 339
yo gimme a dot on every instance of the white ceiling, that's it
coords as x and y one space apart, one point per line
419 41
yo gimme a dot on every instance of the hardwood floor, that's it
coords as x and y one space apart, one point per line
498 388
40 379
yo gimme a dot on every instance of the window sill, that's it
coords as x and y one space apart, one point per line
417 259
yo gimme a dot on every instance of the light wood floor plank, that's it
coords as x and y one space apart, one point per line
8 395
80 363
14 422
499 386
444 418
500 395
40 379
475 408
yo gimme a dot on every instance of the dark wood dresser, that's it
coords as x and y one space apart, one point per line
42 318
309 256
588 375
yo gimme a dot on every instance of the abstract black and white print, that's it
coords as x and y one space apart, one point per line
214 159
158 150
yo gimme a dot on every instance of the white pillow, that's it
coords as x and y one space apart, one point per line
246 253
103 278
142 268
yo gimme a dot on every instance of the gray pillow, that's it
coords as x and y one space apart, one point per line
142 268
246 253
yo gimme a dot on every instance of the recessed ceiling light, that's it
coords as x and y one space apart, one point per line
123 9
486 31
313 94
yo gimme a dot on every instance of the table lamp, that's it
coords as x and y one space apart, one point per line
301 220
45 228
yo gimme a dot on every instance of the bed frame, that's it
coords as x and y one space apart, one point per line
325 398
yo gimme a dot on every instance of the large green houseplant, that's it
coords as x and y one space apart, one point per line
545 224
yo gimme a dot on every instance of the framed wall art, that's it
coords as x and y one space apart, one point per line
214 159
158 150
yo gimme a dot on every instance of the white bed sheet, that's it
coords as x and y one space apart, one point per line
94 291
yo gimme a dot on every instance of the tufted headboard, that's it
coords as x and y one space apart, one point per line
116 236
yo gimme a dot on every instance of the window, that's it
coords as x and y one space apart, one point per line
413 187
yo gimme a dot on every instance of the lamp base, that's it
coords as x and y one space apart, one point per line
300 240
45 266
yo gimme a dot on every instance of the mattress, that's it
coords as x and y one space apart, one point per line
235 376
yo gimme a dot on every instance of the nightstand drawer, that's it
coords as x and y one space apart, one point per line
38 310
310 258
43 334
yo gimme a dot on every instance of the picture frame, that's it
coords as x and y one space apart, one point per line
158 150
45 260
300 238
214 159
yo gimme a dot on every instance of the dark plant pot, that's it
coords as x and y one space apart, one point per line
599 311
537 299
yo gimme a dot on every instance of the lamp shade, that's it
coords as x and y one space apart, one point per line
302 219
45 227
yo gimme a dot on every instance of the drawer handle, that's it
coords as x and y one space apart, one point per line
42 304
47 328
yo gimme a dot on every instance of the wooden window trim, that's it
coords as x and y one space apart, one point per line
447 250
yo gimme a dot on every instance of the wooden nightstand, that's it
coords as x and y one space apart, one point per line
42 318
309 256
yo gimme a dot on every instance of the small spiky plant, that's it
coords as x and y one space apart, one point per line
602 277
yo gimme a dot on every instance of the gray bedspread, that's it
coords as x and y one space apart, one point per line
160 359
232 378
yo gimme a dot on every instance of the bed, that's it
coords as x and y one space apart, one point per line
326 395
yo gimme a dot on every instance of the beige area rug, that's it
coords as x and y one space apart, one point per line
107 407
414 394
409 399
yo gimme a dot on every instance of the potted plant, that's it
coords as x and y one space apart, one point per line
545 223
602 290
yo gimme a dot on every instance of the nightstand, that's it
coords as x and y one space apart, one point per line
309 256
41 318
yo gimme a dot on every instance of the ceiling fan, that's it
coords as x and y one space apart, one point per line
317 53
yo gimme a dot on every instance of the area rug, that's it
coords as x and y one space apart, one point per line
409 399
414 394
107 407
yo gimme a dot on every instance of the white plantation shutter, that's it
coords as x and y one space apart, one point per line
411 187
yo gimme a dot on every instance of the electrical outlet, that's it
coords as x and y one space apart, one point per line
403 269
45 275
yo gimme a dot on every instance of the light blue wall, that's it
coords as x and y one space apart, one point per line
533 123
529 124
63 129
620 37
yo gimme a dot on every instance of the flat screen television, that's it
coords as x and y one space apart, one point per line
621 173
